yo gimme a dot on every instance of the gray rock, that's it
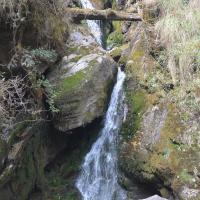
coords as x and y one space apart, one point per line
82 83
82 38
153 121
155 197
187 193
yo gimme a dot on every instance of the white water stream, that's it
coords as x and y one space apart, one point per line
98 177
94 25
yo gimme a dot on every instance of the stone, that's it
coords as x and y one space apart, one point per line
155 197
82 83
187 193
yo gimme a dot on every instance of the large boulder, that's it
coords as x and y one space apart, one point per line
82 83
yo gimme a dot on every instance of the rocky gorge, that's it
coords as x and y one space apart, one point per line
62 100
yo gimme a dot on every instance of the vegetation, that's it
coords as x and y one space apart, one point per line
115 39
44 15
178 30
21 77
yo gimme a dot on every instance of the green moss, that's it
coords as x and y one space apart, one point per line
81 51
136 103
185 176
115 39
117 25
114 4
76 59
116 52
70 83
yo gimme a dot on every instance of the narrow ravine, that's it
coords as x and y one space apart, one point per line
98 179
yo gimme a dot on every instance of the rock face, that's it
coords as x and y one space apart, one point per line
159 145
23 170
82 83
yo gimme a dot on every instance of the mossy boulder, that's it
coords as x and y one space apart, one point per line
82 83
24 168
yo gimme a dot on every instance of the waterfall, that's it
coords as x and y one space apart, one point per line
94 25
98 177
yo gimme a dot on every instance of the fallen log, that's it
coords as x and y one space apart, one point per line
108 14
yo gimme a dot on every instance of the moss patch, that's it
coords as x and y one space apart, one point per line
70 83
136 105
115 39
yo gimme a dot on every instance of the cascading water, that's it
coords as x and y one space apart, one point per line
98 178
94 25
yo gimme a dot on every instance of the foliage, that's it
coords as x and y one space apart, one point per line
50 94
21 94
47 17
115 39
44 54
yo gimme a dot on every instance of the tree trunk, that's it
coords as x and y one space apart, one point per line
108 14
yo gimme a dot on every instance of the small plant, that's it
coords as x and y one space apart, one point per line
44 54
50 94
115 39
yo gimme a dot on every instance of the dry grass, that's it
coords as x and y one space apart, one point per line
179 31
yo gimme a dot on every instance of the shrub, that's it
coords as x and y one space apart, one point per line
13 100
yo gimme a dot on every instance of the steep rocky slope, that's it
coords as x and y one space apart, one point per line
160 145
76 93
